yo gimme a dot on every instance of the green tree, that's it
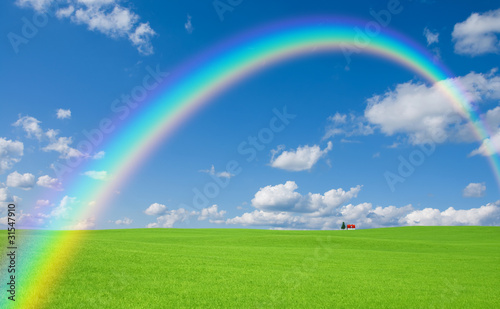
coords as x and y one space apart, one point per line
343 226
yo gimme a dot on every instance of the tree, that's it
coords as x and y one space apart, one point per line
343 226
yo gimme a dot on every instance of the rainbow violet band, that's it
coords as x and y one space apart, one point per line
193 86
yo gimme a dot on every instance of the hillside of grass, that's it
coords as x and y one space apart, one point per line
407 267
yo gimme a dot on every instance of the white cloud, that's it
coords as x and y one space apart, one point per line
304 158
105 16
474 190
124 221
283 197
114 22
488 147
85 224
425 113
212 213
96 2
223 174
171 217
10 153
61 211
33 129
62 145
63 113
364 215
155 209
432 37
99 175
49 182
264 218
26 220
31 126
478 34
141 38
23 181
38 5
42 203
65 12
347 125
480 86
99 155
484 215
5 196
279 197
188 25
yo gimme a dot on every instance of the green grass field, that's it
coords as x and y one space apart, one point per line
408 267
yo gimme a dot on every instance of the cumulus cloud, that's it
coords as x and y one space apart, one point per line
431 37
26 220
31 126
188 25
485 215
10 153
155 209
61 210
304 158
65 12
99 175
283 197
23 181
474 190
85 224
489 146
364 215
171 217
141 38
5 196
39 5
212 213
62 146
108 17
63 113
264 218
347 125
478 34
282 207
124 221
424 112
115 21
49 182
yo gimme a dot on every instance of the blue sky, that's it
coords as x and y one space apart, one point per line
65 62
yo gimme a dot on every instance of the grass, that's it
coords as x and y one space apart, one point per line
408 267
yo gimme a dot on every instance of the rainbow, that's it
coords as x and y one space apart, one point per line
193 86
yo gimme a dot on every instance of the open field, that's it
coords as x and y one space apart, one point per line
409 267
